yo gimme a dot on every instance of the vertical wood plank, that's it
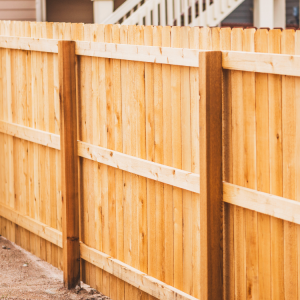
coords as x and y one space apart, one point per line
98 89
158 153
141 153
238 168
35 151
187 206
211 261
130 148
117 142
69 163
110 170
11 228
225 44
177 161
167 149
89 100
275 138
195 166
251 245
263 168
289 169
122 179
150 138
297 95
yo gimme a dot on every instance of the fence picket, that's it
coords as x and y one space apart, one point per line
238 168
249 102
275 129
289 171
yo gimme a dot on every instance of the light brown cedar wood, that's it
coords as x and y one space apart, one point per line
167 149
211 261
98 95
275 138
124 118
177 161
228 221
141 153
263 167
289 169
150 151
89 168
195 165
116 33
69 163
187 209
238 168
158 153
250 170
297 94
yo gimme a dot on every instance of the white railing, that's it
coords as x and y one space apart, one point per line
173 12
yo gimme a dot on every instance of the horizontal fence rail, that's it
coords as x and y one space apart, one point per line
232 60
261 62
161 173
151 54
40 229
158 172
37 136
142 281
30 44
264 203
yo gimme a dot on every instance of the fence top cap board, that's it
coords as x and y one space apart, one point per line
151 54
281 64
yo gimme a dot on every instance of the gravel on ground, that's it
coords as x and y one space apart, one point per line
25 276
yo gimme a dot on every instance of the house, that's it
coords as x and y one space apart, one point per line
258 13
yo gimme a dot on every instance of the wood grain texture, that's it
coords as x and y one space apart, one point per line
238 176
271 205
177 161
132 276
249 125
158 172
275 138
289 168
69 163
40 229
211 261
261 62
32 135
263 167
228 217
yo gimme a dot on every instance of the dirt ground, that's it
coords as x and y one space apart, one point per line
25 276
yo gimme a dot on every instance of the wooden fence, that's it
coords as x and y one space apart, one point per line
143 146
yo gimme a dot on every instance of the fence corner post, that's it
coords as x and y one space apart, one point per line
69 163
211 202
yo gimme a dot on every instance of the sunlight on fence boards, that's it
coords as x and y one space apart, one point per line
150 111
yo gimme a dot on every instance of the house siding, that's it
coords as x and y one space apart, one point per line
242 14
21 10
74 11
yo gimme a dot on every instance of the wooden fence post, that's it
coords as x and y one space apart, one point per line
69 163
211 258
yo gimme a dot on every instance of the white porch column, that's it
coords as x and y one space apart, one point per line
279 13
40 10
102 9
269 13
263 14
